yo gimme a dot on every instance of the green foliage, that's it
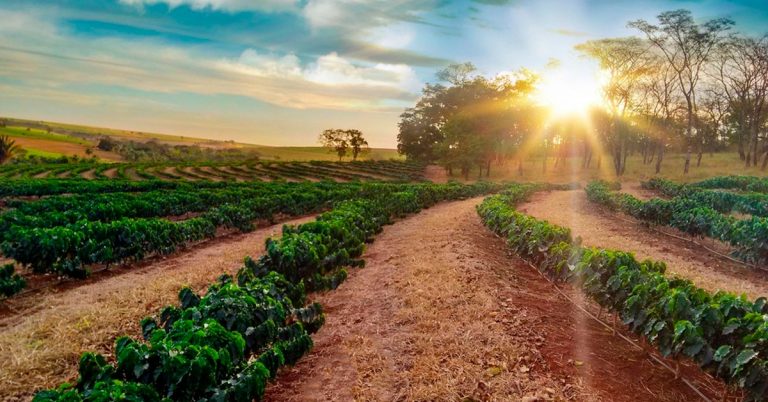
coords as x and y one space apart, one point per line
66 234
8 148
469 120
725 334
10 282
751 203
693 212
744 183
226 345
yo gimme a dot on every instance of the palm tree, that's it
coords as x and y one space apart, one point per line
8 148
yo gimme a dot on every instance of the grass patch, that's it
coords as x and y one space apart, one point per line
22 132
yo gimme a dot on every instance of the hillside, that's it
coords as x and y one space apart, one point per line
53 139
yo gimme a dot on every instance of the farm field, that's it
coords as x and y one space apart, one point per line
359 200
53 139
243 172
458 312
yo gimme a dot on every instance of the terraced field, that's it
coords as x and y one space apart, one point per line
254 171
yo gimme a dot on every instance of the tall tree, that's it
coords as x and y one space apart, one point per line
8 149
686 46
659 107
625 62
740 69
467 119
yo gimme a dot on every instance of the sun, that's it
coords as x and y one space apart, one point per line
568 95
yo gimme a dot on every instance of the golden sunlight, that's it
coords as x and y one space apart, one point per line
567 95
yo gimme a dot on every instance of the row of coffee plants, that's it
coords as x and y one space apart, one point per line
10 282
62 210
722 201
749 237
226 345
725 334
741 183
70 248
253 171
42 187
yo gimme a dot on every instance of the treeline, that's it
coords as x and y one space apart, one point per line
680 85
154 151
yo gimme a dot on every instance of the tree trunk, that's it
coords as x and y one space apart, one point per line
659 158
742 155
652 154
698 157
765 161
689 132
755 137
488 168
620 157
520 166
587 157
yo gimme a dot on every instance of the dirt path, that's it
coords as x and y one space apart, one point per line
41 347
637 190
599 227
442 313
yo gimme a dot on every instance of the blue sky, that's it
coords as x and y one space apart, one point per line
277 72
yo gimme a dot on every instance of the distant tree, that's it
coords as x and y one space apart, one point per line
8 149
356 143
107 144
336 141
687 47
89 151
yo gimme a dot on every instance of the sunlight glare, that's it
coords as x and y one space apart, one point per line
567 95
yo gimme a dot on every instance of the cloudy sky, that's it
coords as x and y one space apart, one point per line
277 72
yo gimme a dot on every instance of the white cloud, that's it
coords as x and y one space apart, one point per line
35 59
265 65
325 13
224 5
330 81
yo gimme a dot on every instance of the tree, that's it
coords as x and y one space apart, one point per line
356 142
626 62
418 136
107 144
686 47
343 141
8 149
659 107
467 119
740 70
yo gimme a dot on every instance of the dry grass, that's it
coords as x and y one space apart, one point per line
41 344
597 228
725 163
423 321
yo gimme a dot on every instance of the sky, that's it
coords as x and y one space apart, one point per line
278 72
